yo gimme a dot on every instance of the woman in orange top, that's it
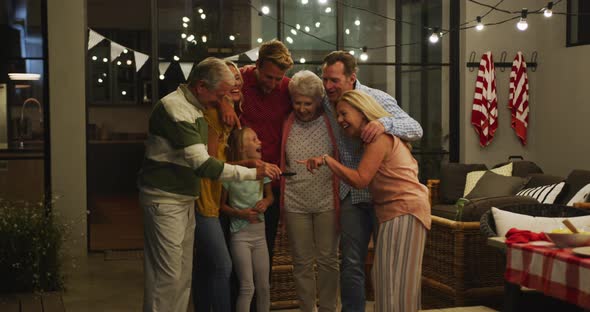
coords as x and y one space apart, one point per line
401 203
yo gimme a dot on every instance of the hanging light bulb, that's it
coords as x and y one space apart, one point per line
328 9
232 37
203 16
307 29
100 80
322 1
200 11
302 60
297 26
522 25
259 40
289 40
304 2
125 51
357 22
479 25
186 19
190 38
183 36
124 92
434 36
347 31
104 59
185 25
119 63
129 62
351 52
294 32
162 77
94 58
317 24
176 58
265 10
204 39
548 12
364 56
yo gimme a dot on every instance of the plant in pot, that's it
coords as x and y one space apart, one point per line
30 242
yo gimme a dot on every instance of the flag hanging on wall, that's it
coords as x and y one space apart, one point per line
484 113
518 101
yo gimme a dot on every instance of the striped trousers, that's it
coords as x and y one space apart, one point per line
397 269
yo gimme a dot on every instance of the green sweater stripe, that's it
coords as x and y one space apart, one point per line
180 134
169 177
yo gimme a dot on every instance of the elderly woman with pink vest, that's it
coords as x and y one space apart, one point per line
400 200
309 202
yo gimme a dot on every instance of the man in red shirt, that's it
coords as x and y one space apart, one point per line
266 105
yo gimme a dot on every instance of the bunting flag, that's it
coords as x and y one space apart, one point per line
518 101
484 114
186 68
116 50
94 38
252 54
163 67
140 60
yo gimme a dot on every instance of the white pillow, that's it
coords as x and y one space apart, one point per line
473 177
545 194
581 195
506 220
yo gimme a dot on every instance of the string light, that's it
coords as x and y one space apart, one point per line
265 10
322 1
434 36
185 25
183 36
347 31
302 60
100 80
125 51
203 16
176 58
328 9
124 92
522 25
129 62
94 58
479 25
232 37
351 52
357 22
289 40
294 32
259 40
190 38
304 2
119 63
364 56
200 11
548 12
307 29
162 77
317 24
204 39
186 19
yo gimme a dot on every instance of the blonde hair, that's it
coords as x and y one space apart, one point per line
275 52
235 143
306 83
365 104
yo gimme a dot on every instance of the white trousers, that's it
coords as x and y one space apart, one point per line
169 233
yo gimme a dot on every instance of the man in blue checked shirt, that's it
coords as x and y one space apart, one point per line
357 217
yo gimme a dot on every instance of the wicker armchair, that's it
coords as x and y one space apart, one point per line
488 226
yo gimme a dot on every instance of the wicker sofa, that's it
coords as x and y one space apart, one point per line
459 267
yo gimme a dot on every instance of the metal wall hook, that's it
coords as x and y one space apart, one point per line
472 60
533 60
503 60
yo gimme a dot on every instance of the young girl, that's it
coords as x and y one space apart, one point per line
245 202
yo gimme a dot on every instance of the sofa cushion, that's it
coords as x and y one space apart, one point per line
583 195
506 220
452 180
573 183
445 211
545 194
522 168
475 208
492 185
540 179
474 176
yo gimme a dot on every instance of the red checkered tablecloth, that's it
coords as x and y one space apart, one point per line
556 272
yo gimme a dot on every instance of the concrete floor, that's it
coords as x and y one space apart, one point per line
96 285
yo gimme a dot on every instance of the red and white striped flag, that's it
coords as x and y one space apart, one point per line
518 102
484 114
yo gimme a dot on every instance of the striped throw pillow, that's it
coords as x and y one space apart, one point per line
544 194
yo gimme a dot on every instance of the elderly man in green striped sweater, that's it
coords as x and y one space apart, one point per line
175 159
